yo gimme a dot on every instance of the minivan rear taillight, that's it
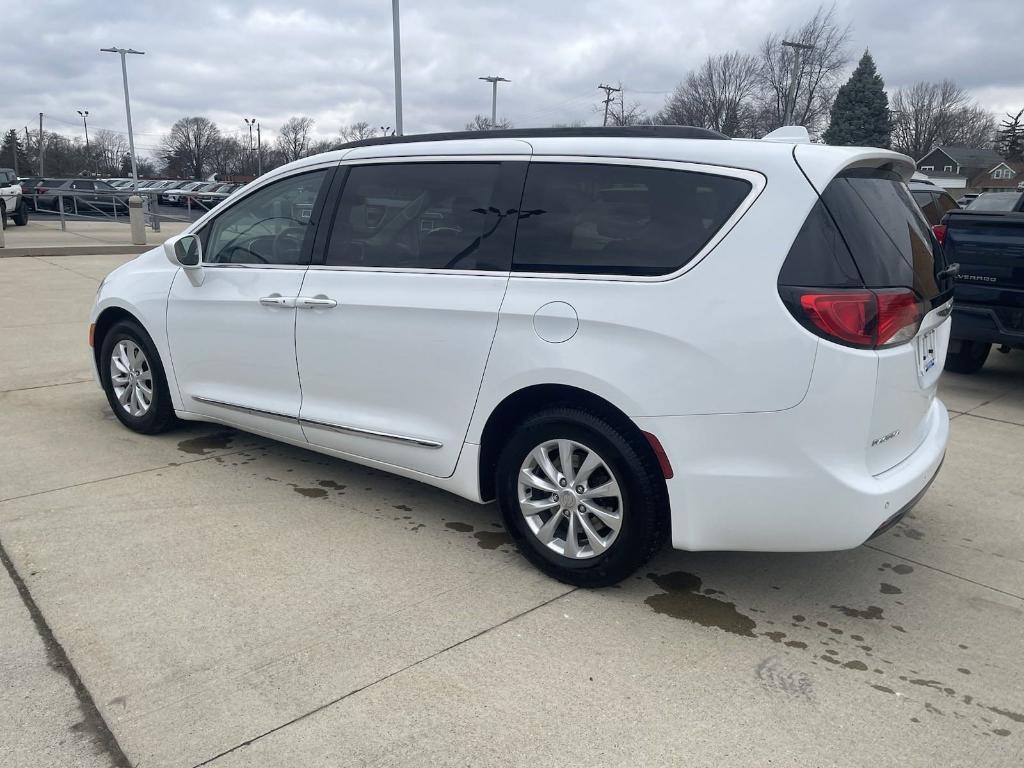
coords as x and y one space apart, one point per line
866 319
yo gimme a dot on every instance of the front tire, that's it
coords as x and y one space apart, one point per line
21 214
582 495
133 380
968 358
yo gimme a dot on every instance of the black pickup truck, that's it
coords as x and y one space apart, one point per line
987 241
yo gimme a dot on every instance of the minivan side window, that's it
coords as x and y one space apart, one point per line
270 226
427 215
618 219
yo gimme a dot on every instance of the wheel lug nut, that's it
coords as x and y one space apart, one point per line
554 497
580 489
581 508
563 482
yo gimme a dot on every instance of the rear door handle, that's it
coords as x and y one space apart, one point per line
277 300
315 302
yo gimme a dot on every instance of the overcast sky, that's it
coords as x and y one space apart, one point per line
332 59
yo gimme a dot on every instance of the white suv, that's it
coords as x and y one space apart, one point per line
12 204
622 335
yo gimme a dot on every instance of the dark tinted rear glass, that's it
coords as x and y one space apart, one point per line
819 256
619 220
926 201
885 231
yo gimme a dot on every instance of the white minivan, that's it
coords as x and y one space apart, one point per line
622 335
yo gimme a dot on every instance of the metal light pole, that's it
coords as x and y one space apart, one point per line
250 122
128 110
259 152
398 66
494 80
85 122
42 144
791 94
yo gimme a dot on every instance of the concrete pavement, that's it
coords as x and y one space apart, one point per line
228 601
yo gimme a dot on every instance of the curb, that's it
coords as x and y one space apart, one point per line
76 250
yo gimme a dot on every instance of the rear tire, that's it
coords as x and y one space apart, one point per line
969 358
639 509
129 354
3 215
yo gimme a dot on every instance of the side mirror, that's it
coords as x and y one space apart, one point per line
186 251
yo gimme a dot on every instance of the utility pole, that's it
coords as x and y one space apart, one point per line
608 99
127 110
494 80
85 122
42 144
791 94
396 30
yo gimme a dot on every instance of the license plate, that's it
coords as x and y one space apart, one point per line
926 352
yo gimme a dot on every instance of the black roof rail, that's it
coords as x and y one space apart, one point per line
586 132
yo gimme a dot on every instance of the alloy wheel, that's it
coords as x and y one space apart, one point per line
570 498
131 378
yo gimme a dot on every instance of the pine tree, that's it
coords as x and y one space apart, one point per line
1010 138
860 112
13 155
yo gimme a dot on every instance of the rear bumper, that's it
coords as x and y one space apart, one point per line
979 323
783 481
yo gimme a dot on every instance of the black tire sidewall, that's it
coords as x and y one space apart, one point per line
640 497
970 358
160 411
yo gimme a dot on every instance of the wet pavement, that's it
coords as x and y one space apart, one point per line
208 597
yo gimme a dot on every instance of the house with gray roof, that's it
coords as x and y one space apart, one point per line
955 168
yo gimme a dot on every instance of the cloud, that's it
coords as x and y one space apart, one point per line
332 59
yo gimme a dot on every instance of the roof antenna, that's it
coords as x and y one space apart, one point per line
789 134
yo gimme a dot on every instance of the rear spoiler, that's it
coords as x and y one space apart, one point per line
821 163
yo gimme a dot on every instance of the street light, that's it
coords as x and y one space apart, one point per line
494 80
791 94
128 109
85 122
397 33
250 122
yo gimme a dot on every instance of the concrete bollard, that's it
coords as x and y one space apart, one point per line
136 217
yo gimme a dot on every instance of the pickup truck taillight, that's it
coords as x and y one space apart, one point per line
939 230
866 319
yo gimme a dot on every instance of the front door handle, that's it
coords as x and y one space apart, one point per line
315 302
277 300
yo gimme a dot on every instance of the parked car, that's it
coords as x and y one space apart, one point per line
216 194
621 334
12 203
934 203
995 201
178 195
987 242
964 200
81 196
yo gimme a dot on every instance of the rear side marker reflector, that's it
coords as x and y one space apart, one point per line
866 319
659 452
92 334
939 230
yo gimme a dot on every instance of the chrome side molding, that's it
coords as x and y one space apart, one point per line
359 431
245 408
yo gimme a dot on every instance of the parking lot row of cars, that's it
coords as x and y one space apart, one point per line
112 194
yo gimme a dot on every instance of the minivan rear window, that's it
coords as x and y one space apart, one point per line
866 231
619 220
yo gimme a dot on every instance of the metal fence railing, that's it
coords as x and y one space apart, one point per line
83 205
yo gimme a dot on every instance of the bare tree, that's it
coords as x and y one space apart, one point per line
720 94
189 147
357 131
323 145
108 148
926 115
293 141
817 77
626 114
483 123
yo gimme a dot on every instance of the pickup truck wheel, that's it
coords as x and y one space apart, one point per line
21 214
966 356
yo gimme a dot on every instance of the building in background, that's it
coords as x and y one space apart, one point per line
955 168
